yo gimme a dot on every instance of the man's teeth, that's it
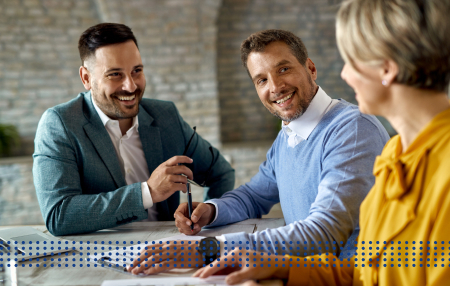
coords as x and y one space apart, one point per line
284 99
131 97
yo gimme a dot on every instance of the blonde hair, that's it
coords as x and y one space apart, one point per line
412 33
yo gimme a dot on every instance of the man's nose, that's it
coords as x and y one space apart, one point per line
277 84
129 84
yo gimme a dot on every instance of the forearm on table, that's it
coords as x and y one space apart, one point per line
300 238
82 213
239 205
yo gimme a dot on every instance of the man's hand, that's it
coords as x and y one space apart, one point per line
202 215
161 257
167 179
248 265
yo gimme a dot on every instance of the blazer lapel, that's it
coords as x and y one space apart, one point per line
99 137
152 146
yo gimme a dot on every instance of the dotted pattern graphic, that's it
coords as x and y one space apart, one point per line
186 254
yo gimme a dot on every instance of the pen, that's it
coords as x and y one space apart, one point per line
189 198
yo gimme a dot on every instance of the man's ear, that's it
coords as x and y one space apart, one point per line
388 72
86 77
311 67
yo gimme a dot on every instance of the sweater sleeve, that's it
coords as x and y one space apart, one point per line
345 179
251 200
324 269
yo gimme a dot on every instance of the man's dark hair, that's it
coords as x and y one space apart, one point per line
102 35
258 41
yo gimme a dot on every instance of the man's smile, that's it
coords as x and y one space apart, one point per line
284 100
126 98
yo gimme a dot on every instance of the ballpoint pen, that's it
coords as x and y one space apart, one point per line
189 197
191 182
188 184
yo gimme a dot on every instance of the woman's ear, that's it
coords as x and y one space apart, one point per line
389 72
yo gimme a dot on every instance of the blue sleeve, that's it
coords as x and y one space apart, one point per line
56 178
251 200
348 155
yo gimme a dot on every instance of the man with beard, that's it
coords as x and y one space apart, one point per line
110 156
319 167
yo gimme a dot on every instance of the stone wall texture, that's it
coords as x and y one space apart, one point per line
190 50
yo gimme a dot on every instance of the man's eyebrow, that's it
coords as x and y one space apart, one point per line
113 70
121 69
283 62
256 77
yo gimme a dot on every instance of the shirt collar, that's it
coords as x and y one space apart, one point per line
305 124
104 118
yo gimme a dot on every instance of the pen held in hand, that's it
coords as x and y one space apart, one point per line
189 197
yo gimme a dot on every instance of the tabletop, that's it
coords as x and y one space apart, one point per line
72 269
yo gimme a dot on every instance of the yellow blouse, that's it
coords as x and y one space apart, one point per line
405 220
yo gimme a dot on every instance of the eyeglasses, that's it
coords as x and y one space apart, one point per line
208 173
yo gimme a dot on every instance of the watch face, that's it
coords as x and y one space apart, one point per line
208 247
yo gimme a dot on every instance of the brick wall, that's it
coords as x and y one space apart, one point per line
190 49
18 201
177 40
243 117
39 58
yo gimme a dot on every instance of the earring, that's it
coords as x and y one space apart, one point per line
384 82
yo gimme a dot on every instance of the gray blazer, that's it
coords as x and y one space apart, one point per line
78 179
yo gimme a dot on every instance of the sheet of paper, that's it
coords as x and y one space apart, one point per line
169 281
119 257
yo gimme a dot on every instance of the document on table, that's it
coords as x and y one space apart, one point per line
117 258
218 280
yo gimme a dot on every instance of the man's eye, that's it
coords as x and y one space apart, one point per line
284 69
114 74
138 70
261 81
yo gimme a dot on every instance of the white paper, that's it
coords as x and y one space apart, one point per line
168 281
121 256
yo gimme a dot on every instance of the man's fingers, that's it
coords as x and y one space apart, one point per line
180 170
198 272
181 211
178 179
175 160
212 268
242 275
199 211
253 283
178 187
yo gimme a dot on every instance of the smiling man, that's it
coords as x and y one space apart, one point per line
110 156
319 167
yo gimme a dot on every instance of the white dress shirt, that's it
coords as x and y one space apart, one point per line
300 129
131 157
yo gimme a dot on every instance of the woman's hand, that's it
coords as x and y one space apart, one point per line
248 265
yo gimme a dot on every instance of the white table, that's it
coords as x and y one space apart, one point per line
84 273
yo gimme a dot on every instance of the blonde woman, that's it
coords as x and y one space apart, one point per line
397 60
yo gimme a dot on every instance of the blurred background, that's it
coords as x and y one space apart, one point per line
190 50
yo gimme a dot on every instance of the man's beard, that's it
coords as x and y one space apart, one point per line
111 108
304 101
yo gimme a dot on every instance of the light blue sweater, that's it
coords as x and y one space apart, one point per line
320 184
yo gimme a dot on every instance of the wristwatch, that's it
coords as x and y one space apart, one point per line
209 249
